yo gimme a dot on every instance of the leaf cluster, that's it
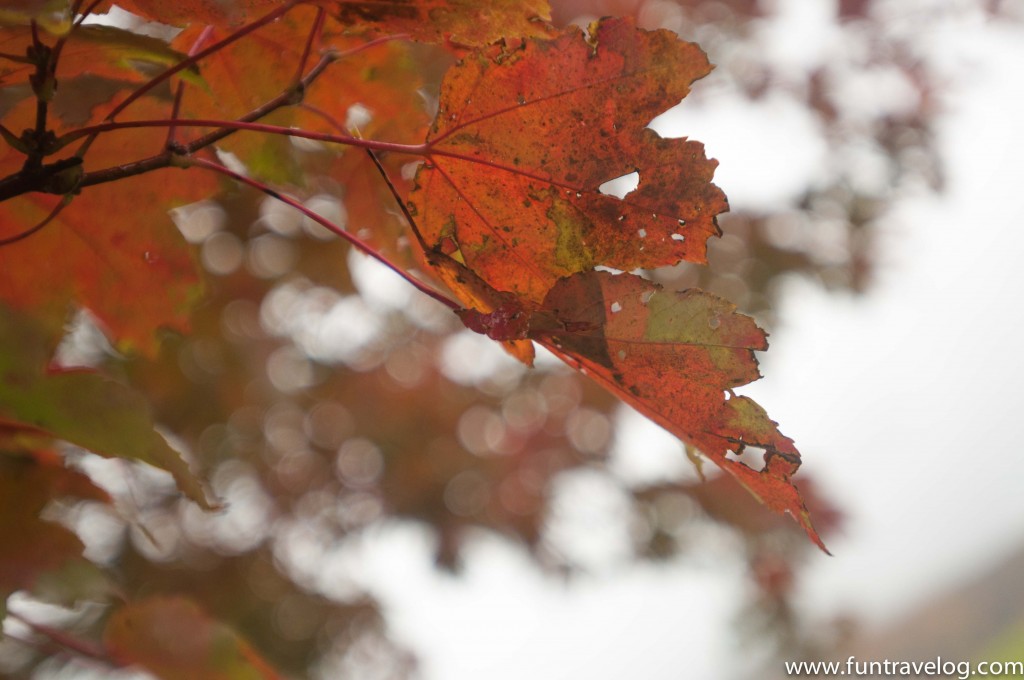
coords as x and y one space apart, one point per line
470 151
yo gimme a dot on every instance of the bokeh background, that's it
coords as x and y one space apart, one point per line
406 501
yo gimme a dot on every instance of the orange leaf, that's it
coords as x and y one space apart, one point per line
215 12
462 22
526 135
114 249
675 357
173 638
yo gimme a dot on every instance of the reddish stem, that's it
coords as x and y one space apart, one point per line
66 640
348 236
426 149
314 31
180 92
28 232
373 43
413 149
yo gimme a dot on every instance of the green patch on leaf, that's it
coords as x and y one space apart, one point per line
79 406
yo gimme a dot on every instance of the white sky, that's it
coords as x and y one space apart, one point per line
905 404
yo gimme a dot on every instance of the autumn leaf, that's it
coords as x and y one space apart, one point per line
79 406
173 638
525 137
675 357
384 79
113 249
114 52
96 64
108 265
30 546
462 22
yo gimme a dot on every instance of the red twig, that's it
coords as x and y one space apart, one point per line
348 236
373 43
349 140
314 31
191 60
180 92
28 232
186 63
66 640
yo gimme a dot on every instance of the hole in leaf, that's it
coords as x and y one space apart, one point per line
678 237
616 307
358 116
752 456
620 186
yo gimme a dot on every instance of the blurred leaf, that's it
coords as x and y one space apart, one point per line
53 15
174 639
31 547
79 406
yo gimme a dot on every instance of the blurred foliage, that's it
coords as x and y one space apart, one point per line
322 399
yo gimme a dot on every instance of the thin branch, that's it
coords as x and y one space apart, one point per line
42 87
314 31
333 122
193 59
347 235
285 98
180 92
28 232
401 203
6 133
86 12
186 63
348 140
21 182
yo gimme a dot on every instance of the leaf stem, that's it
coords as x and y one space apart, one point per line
333 122
66 640
363 246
